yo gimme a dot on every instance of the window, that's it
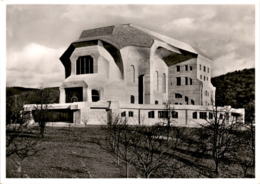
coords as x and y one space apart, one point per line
132 70
200 67
178 81
157 80
131 114
178 68
221 116
151 114
95 95
208 70
210 115
203 115
186 67
186 100
201 77
164 83
156 102
190 68
123 114
207 78
175 114
132 99
178 95
192 102
204 68
162 114
186 81
190 81
194 115
84 65
206 93
204 78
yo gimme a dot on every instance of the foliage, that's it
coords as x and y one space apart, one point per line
238 90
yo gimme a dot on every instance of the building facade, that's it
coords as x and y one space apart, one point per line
133 72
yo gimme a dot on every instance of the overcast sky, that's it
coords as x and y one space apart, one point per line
37 35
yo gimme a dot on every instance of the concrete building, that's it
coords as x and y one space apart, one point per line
133 72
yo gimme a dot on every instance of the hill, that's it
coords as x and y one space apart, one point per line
238 90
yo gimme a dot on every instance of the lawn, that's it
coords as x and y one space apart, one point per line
73 152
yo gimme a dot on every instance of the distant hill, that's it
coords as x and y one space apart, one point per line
238 90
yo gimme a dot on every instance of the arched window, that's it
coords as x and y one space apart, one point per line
84 65
157 80
95 95
164 83
132 71
132 99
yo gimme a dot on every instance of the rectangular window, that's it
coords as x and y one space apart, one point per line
208 70
190 81
200 67
203 115
123 114
194 115
186 81
204 68
210 115
192 102
186 67
201 77
178 68
178 81
190 68
175 114
131 114
204 78
162 114
151 114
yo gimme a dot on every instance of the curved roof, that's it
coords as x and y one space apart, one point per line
130 35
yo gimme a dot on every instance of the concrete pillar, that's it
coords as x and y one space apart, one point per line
85 94
62 95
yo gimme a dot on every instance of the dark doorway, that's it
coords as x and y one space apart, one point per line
141 89
74 94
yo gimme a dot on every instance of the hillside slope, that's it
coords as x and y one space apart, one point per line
238 90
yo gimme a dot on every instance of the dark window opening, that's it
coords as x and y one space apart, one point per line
74 94
131 114
156 102
178 81
190 68
192 102
175 114
95 95
190 81
178 68
132 99
204 68
203 115
187 100
162 114
123 114
151 114
221 116
186 81
178 95
186 67
200 67
210 115
194 115
84 65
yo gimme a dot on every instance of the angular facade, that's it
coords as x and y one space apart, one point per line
130 64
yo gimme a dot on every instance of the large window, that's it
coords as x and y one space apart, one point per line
178 95
178 81
164 83
131 114
178 68
151 114
132 68
84 65
203 115
194 115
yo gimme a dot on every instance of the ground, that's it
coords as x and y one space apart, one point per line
74 153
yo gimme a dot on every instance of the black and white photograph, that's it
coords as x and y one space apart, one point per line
129 91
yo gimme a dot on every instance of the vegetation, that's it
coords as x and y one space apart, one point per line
238 90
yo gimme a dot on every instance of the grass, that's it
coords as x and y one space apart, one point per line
74 153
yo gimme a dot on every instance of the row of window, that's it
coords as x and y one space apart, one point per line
186 68
178 96
205 78
174 114
205 69
188 81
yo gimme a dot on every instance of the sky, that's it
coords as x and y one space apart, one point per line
37 35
